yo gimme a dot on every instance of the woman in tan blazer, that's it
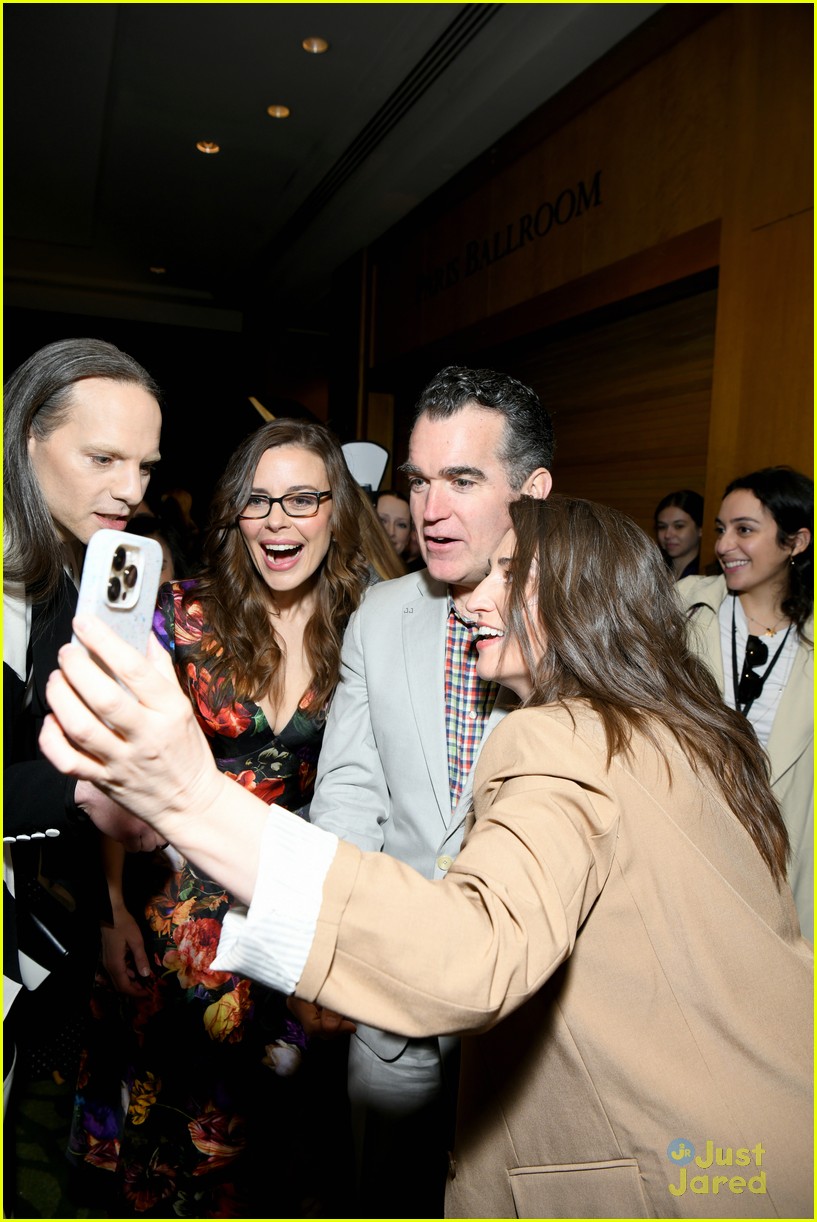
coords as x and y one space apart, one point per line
758 613
620 902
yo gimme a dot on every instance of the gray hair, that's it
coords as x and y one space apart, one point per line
527 441
37 400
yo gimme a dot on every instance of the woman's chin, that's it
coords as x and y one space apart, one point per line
487 673
521 687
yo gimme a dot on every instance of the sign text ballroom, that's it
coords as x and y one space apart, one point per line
478 253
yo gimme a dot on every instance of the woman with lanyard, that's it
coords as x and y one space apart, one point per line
754 626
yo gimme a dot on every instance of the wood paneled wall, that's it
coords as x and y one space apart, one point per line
639 166
705 131
762 393
630 401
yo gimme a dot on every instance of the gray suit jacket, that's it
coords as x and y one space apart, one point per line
383 771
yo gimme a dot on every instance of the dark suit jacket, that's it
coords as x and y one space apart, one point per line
35 796
42 827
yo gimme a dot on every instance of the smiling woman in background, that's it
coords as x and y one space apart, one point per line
620 900
255 642
754 627
678 528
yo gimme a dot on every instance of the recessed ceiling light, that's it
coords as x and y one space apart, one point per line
315 46
158 271
278 112
208 146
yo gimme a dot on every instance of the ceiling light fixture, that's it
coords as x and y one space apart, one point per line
315 46
279 112
158 271
208 146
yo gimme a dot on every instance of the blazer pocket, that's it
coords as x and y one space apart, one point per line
609 1189
384 1044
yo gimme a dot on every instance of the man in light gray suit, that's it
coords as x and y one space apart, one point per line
405 728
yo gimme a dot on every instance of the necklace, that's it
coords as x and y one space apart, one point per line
768 631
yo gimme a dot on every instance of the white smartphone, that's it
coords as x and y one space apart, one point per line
120 581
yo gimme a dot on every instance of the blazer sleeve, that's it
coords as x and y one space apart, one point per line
510 906
351 794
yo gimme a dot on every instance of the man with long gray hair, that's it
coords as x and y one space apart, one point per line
81 437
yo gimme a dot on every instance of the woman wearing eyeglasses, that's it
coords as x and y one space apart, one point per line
754 625
255 642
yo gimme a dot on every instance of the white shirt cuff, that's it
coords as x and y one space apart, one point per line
270 941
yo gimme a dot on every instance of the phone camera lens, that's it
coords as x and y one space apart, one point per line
129 576
119 558
114 587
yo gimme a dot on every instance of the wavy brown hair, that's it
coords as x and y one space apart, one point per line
243 656
615 636
376 543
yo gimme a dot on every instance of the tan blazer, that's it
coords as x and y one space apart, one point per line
791 742
651 980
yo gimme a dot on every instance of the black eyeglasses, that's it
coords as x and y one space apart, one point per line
294 504
751 684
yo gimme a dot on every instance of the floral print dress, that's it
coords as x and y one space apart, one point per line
185 1093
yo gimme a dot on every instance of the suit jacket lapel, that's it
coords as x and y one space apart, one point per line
50 629
424 621
708 626
793 727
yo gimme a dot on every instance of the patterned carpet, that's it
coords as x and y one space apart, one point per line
39 1182
40 1120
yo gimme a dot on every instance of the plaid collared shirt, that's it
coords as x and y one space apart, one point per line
469 700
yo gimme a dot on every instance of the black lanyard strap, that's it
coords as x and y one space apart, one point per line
762 678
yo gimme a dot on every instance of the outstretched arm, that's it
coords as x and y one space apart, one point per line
149 754
357 932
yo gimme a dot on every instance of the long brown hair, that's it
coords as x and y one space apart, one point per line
376 543
243 656
615 636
